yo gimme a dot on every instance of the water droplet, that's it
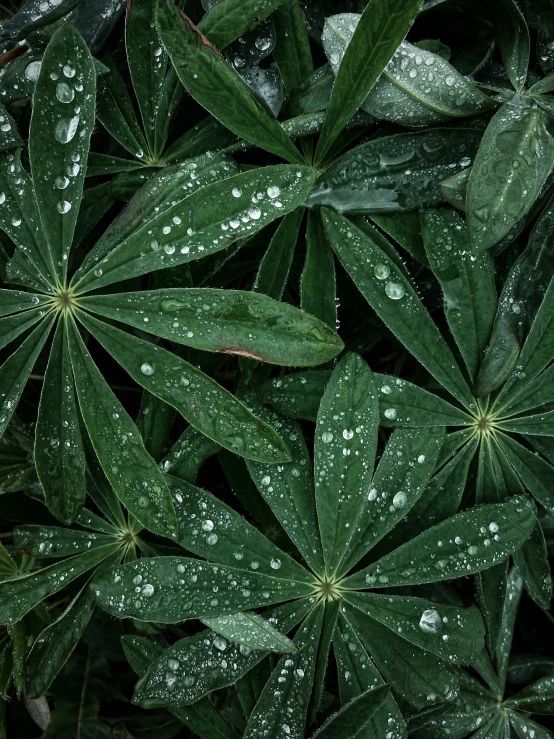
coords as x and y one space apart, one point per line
32 71
494 528
68 71
66 129
64 92
381 271
391 413
275 564
211 539
147 369
400 500
173 664
62 182
220 643
207 525
143 501
64 206
255 213
98 272
347 434
266 479
386 389
2 197
430 621
273 191
395 290
236 192
421 458
472 550
169 248
137 579
326 437
147 590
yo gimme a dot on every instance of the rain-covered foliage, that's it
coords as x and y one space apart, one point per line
277 372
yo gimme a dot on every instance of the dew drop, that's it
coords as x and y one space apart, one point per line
64 92
381 271
395 290
430 621
275 564
32 71
326 437
147 369
391 414
400 500
66 129
64 206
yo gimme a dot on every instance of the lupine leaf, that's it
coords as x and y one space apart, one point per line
380 30
292 49
229 321
532 564
393 298
344 452
354 716
497 199
318 278
178 588
228 20
165 684
512 36
55 541
59 454
251 630
275 266
191 229
135 477
59 136
534 472
213 83
454 547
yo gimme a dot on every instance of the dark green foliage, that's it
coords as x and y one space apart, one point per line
277 369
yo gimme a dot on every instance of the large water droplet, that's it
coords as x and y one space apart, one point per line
381 271
430 621
395 290
32 71
147 369
400 500
326 437
64 92
66 129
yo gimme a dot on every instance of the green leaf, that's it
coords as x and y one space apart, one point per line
292 49
454 548
208 135
512 37
9 135
54 541
116 113
59 455
532 564
55 643
535 698
454 189
228 321
154 423
188 454
417 86
199 399
147 63
533 471
274 268
467 281
498 197
288 488
344 453
132 473
297 395
214 83
491 597
405 229
393 174
356 674
178 588
394 489
418 676
524 726
228 20
381 28
283 704
33 15
14 301
224 536
13 326
19 219
166 685
22 594
16 370
168 187
536 354
402 403
393 298
203 717
251 630
425 624
318 286
353 717
209 220
59 137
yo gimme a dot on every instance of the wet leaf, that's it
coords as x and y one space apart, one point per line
250 630
318 286
274 268
512 36
532 564
228 20
354 716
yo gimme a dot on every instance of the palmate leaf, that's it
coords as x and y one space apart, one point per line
532 564
209 220
354 717
178 588
204 403
393 298
318 286
417 86
395 173
179 676
131 471
380 30
59 136
250 630
54 541
454 547
467 282
16 370
283 703
217 86
13 326
275 266
203 717
347 423
498 196
22 594
230 321
292 49
59 455
228 20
